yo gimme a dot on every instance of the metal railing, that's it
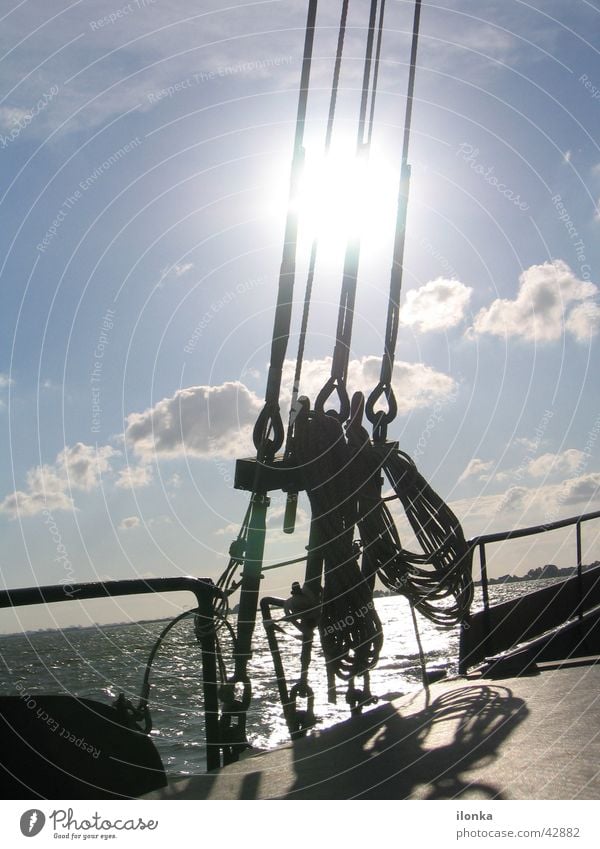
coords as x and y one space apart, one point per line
204 591
480 542
495 627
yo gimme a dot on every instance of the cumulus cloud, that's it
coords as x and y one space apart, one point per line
129 522
217 421
133 477
438 305
584 321
581 490
200 421
556 464
513 499
540 312
415 384
476 468
83 465
49 487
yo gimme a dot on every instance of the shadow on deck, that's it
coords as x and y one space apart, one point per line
390 752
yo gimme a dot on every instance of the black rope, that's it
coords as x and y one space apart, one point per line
350 629
380 418
269 431
376 71
341 353
314 248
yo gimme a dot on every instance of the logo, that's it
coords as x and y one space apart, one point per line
32 822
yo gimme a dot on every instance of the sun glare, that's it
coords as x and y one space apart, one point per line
344 195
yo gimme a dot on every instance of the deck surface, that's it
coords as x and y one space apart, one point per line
534 737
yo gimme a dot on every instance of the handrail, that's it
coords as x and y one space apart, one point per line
503 536
534 529
205 592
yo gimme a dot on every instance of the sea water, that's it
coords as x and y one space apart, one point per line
103 661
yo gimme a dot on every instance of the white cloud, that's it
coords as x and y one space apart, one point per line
45 491
415 384
556 464
163 519
476 468
438 305
129 522
174 271
179 269
581 490
10 116
584 320
5 381
49 487
539 313
200 421
83 465
175 481
211 421
514 498
133 477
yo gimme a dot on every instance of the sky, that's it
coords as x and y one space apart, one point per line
145 151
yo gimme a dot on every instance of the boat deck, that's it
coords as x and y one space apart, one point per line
529 737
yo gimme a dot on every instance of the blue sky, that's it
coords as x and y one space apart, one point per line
145 152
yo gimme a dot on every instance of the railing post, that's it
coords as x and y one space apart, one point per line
486 598
579 569
209 680
484 578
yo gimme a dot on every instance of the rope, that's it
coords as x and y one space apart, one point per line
380 419
142 710
269 421
350 629
341 351
314 248
376 71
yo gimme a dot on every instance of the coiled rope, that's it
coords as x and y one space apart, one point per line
351 633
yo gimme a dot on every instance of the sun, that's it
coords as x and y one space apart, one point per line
343 195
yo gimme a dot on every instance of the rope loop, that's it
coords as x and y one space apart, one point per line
380 417
334 384
268 421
